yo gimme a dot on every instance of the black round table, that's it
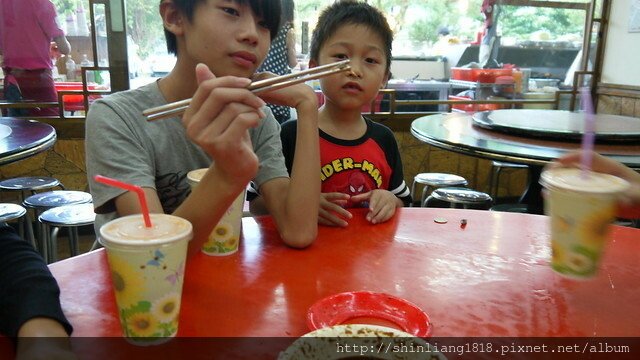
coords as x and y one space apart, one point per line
21 138
456 132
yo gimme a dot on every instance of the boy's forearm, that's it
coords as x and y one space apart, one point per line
303 197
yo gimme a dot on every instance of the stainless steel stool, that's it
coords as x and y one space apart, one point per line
69 216
30 183
433 181
467 198
41 202
517 208
10 212
496 168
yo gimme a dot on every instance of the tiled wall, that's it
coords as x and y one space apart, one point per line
65 162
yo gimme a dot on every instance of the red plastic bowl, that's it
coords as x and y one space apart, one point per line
365 307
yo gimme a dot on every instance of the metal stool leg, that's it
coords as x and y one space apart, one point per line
413 191
21 226
29 228
73 240
423 199
53 244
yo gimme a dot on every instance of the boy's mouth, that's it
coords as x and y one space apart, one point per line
244 58
352 86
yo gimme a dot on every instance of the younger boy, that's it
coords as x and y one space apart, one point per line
218 44
360 161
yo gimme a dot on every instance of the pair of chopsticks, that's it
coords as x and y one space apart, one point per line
178 107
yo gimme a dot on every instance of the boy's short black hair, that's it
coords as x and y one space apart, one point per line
349 12
269 10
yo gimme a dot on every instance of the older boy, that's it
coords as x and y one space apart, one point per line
219 44
360 161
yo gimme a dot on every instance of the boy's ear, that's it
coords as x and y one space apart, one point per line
312 63
172 19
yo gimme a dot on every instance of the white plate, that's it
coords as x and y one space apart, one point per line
355 341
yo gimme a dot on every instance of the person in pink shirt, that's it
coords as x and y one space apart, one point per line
28 35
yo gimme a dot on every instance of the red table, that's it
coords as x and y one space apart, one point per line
490 278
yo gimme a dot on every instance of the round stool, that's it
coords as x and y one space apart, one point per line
41 202
434 181
10 212
517 208
30 183
69 216
455 196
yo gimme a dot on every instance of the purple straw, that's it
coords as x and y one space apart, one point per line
588 136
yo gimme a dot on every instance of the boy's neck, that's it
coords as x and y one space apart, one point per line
180 84
341 124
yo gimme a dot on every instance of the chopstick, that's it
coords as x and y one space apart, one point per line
178 107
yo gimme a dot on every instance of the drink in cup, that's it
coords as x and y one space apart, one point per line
581 207
147 271
225 237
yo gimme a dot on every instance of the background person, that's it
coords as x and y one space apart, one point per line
282 55
27 29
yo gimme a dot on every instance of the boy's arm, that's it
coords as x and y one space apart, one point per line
294 202
217 120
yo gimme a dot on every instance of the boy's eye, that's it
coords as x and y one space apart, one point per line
372 61
263 24
231 11
340 56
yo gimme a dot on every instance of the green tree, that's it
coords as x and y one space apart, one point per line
144 25
521 22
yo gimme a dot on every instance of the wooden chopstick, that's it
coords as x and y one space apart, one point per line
178 107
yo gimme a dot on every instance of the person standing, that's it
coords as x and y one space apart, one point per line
28 35
282 55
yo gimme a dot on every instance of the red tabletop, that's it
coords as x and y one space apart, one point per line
490 278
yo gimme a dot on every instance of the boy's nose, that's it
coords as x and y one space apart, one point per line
249 30
355 71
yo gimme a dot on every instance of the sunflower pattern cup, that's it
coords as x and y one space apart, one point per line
147 272
581 209
225 237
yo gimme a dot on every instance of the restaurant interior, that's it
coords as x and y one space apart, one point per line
480 126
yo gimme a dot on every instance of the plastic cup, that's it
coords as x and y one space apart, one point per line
581 207
225 237
147 271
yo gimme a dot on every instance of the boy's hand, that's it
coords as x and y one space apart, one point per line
606 165
220 113
292 96
382 204
332 212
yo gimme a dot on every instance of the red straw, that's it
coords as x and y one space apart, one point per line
137 189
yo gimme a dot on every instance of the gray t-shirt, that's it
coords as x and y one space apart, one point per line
122 144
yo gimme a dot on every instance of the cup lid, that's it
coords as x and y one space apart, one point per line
196 175
573 179
130 230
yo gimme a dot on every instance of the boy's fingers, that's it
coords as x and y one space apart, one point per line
203 129
383 214
330 219
203 73
332 207
361 197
